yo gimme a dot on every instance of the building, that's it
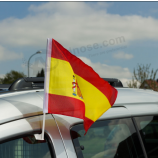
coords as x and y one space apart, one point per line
150 84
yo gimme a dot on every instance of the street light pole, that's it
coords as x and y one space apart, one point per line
38 52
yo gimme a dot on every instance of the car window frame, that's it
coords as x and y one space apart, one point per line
46 136
38 130
135 127
138 128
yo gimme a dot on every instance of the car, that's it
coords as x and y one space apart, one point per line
127 130
4 87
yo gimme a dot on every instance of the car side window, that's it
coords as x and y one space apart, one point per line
107 139
25 147
148 127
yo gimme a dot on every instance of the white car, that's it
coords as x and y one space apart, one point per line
127 130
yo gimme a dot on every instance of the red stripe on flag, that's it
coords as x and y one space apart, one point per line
87 123
63 105
56 52
84 71
114 96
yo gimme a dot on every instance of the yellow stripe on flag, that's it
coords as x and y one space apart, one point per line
95 101
61 78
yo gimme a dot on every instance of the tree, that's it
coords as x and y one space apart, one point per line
140 74
40 74
1 80
133 83
11 76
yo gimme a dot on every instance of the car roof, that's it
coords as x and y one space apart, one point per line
132 95
19 105
129 102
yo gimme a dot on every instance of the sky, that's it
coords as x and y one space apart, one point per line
111 37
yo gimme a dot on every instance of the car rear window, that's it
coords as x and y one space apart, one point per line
107 139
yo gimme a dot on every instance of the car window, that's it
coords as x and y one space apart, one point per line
148 127
107 139
25 147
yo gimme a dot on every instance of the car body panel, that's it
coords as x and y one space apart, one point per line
132 95
30 103
19 106
142 109
65 123
34 125
22 112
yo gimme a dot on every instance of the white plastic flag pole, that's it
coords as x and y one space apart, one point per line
41 136
46 87
43 127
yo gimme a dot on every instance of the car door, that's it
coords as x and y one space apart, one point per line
17 139
112 136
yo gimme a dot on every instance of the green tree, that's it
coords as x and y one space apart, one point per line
1 80
140 74
40 74
11 76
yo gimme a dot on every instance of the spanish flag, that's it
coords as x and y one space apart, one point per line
73 88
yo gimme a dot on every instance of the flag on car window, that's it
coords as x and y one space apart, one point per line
73 88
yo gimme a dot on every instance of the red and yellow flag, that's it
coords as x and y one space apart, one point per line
73 88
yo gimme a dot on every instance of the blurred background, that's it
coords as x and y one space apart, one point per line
117 39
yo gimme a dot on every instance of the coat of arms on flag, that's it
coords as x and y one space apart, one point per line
76 89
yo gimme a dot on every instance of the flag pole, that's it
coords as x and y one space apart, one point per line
43 127
46 85
46 90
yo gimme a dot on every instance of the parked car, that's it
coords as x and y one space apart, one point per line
127 130
4 87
